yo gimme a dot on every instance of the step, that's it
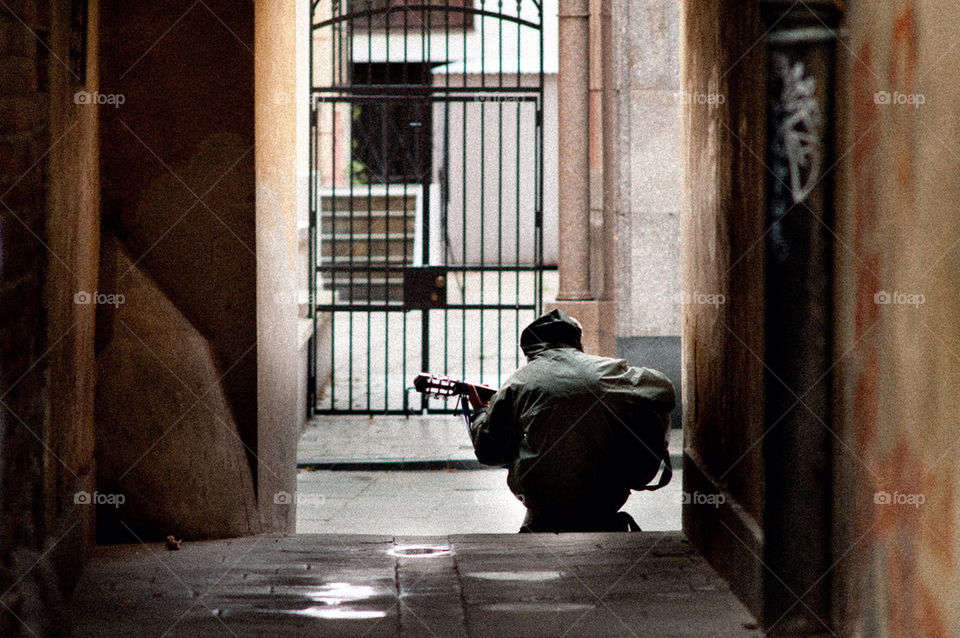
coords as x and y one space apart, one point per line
362 223
396 203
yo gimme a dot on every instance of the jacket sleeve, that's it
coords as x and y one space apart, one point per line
493 431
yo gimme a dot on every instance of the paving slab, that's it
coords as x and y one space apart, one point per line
614 584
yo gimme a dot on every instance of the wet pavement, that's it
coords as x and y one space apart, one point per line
646 584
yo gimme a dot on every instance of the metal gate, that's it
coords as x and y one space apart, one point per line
426 206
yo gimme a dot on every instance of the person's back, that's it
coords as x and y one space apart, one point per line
577 431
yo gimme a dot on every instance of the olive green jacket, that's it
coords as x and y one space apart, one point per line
576 431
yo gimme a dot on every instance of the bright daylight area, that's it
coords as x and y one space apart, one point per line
434 178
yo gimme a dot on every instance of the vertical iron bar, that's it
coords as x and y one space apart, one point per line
483 208
311 233
516 283
337 69
352 228
419 163
499 313
463 208
444 188
369 272
538 178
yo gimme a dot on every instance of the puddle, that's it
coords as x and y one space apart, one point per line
323 612
336 613
331 601
517 576
332 593
419 551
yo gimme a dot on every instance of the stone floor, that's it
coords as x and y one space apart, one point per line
441 502
646 584
393 475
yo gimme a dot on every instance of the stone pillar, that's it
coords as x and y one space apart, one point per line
801 43
584 244
573 123
610 176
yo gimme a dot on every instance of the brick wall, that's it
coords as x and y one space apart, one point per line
24 139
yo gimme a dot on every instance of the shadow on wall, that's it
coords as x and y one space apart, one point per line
175 391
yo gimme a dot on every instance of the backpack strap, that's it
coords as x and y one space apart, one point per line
667 472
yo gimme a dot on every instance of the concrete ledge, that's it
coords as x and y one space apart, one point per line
398 465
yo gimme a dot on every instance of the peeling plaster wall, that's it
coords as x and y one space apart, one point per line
723 345
48 230
29 594
73 232
899 372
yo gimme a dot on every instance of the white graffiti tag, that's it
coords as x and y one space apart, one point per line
799 129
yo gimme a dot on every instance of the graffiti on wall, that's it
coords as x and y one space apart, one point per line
796 144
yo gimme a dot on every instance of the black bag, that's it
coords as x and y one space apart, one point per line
647 449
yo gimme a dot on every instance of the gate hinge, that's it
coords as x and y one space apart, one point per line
539 117
313 117
538 219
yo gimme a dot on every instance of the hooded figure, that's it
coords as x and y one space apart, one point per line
576 431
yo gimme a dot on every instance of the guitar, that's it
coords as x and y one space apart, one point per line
442 387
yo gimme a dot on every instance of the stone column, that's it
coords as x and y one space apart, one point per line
573 115
584 242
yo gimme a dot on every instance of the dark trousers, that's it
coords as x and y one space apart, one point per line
589 522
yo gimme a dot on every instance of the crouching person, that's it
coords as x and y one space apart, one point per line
576 431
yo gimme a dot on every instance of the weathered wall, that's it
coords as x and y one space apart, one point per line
722 227
179 195
897 236
24 139
73 231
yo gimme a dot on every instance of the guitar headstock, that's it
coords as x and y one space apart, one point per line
444 387
437 385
